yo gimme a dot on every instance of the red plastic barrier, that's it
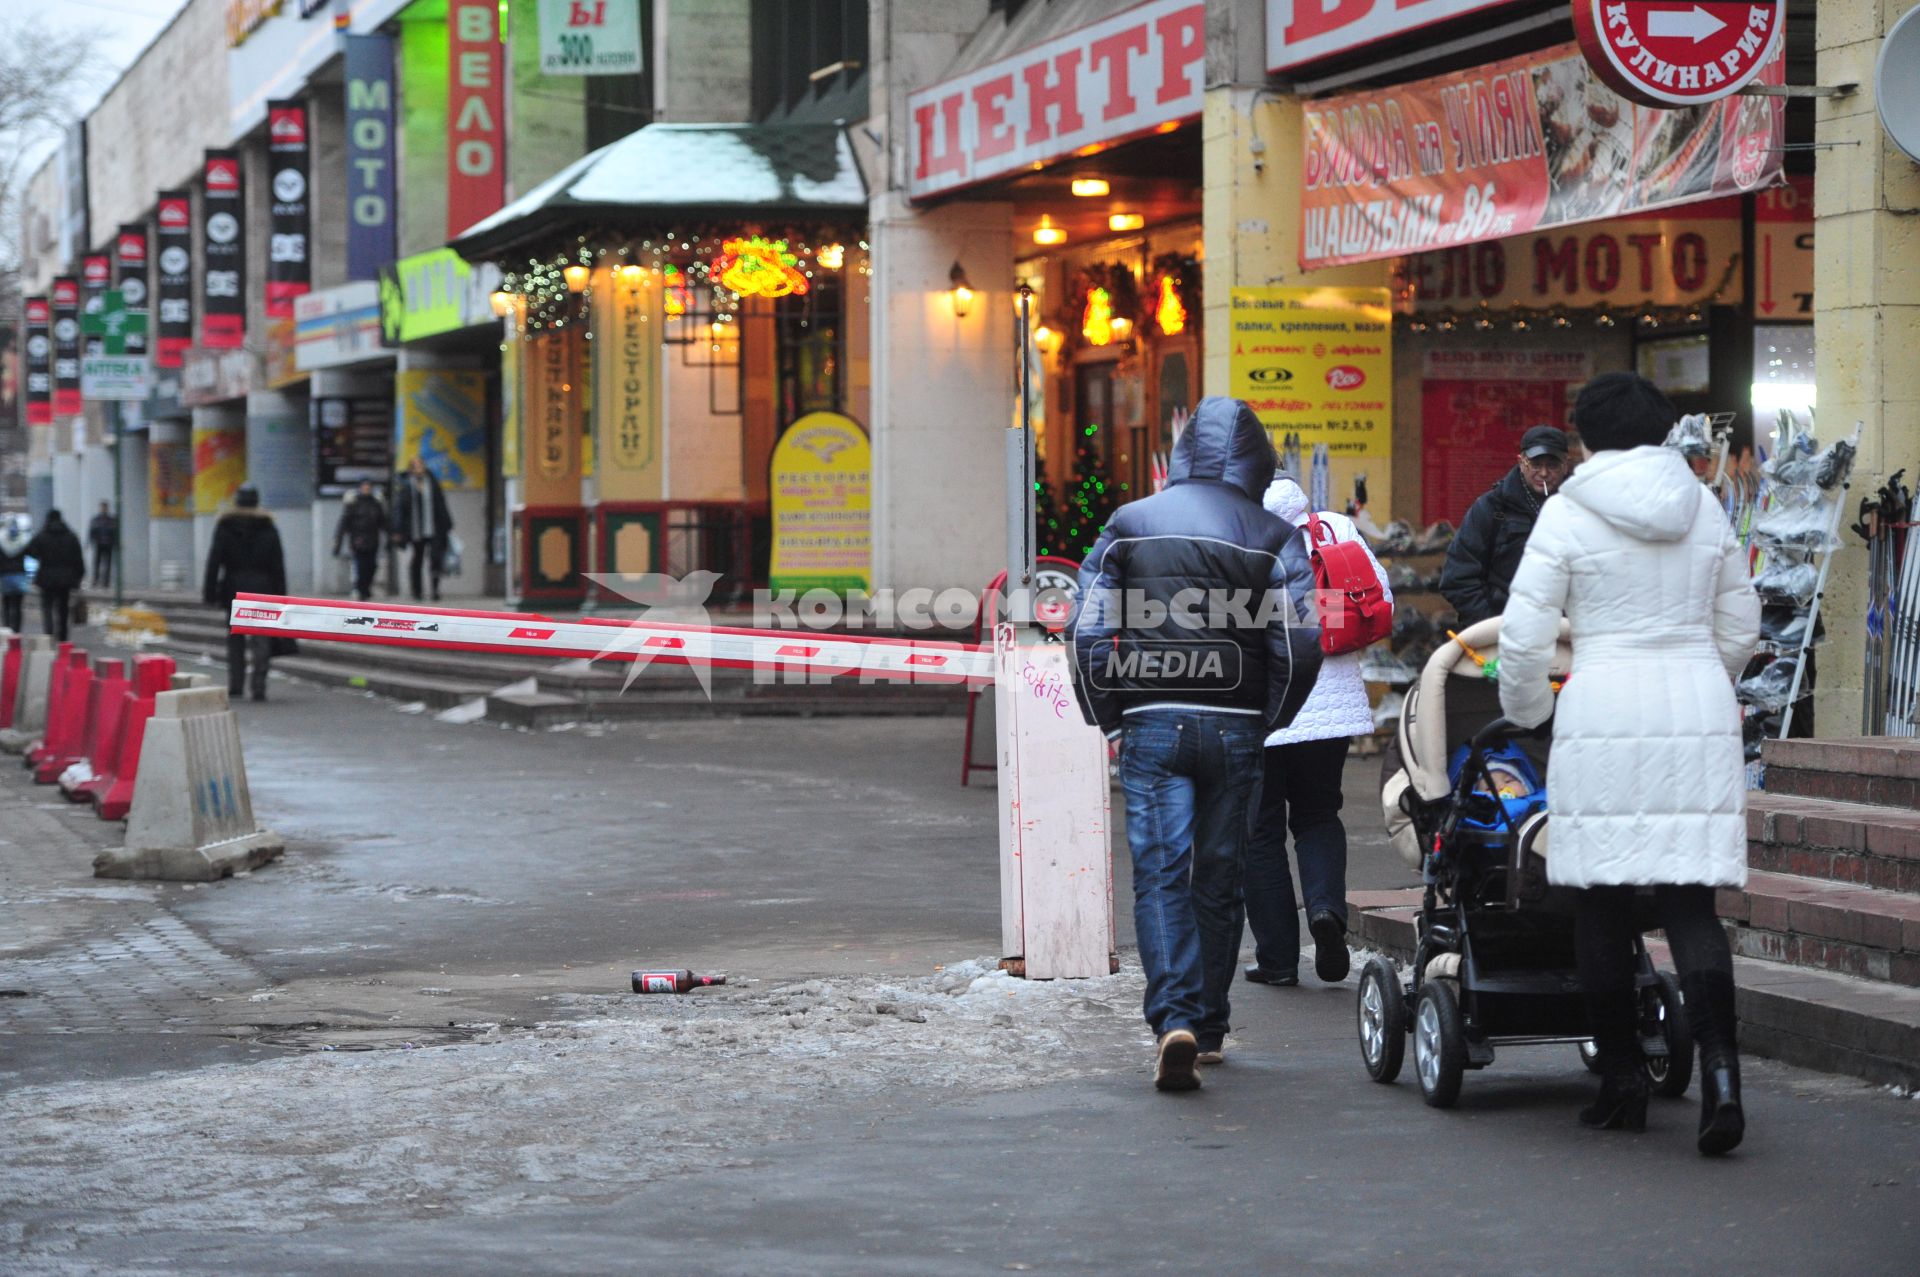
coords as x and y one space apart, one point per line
9 679
67 734
101 744
151 676
56 700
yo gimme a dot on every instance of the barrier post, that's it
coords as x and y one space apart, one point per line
30 698
105 701
66 718
151 675
9 676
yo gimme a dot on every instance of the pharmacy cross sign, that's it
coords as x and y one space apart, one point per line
114 322
1678 53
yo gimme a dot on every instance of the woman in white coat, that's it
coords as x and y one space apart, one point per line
1647 784
1300 791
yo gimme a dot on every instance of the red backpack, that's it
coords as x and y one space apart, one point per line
1354 610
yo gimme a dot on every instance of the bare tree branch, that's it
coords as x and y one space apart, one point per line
42 71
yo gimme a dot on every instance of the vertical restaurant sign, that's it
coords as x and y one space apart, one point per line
820 481
39 362
66 346
1302 31
476 113
1132 73
173 247
370 200
1517 145
551 414
590 37
626 350
1316 362
289 257
130 277
223 297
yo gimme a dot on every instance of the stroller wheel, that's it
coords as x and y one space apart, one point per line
1590 1056
1662 1013
1439 1044
1383 1020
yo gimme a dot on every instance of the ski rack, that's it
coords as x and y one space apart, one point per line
1839 507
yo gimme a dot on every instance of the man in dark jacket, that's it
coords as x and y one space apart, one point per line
363 522
421 520
103 534
1486 551
245 559
1191 643
62 569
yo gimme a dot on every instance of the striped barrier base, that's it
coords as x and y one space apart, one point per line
878 659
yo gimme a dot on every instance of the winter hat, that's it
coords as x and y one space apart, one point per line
247 497
1618 410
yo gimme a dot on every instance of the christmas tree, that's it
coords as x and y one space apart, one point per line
1048 521
1090 500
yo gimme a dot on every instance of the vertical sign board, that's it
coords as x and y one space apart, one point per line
820 482
370 200
223 299
173 247
476 114
551 418
66 346
590 37
626 389
1317 363
219 465
96 276
289 261
39 362
443 423
130 277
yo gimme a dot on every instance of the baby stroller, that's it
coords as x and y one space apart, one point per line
1493 962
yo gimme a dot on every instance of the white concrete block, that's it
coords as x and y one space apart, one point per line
30 702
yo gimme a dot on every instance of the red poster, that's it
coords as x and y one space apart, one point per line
1530 142
476 134
1474 406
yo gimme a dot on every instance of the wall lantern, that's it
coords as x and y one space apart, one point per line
577 277
501 302
631 275
961 291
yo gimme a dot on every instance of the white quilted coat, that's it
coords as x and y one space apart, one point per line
1338 704
1646 783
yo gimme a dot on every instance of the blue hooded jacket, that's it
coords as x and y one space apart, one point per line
1196 597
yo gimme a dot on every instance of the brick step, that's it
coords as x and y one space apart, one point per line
1855 843
1879 771
1811 922
435 693
1815 1019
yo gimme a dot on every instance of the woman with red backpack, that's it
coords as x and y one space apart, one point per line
1303 762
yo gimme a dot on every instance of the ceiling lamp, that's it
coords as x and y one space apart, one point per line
1047 233
1090 187
1125 222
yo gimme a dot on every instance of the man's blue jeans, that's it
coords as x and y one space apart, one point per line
1189 776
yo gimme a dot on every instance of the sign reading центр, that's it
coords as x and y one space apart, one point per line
1674 53
1303 31
1135 72
1316 362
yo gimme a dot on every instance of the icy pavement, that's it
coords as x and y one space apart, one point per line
568 1112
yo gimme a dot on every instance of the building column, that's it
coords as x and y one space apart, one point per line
280 465
942 393
132 563
170 556
1867 320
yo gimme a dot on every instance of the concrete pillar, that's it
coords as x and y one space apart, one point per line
135 560
1251 155
280 464
1867 318
943 393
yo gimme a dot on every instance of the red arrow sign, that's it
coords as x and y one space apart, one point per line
1678 53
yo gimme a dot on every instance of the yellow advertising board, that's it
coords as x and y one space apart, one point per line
443 421
820 483
1317 363
626 389
219 466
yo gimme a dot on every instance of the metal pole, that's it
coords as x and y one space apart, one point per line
1020 467
119 504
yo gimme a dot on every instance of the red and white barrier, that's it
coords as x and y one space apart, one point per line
893 660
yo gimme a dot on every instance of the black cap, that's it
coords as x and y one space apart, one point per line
246 496
1543 441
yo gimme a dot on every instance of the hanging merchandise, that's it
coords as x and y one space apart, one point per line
1321 483
1884 518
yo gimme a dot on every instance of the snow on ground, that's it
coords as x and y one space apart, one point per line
577 1111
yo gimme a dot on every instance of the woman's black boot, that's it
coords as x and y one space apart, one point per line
1622 1102
1710 1013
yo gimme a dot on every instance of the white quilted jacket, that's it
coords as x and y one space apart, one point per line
1646 783
1338 704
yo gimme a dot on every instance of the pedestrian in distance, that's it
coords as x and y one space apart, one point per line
422 523
1190 644
1485 553
362 528
103 534
246 558
62 569
1300 793
16 530
1648 783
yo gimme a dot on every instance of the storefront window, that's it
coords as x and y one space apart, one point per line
808 332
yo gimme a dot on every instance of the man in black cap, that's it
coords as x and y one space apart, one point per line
245 558
1486 551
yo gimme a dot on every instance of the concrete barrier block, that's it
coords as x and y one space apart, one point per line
30 701
183 682
192 814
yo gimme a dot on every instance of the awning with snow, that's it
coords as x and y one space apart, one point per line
667 174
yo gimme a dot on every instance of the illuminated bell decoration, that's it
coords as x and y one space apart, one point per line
679 298
1097 323
831 256
1170 313
758 267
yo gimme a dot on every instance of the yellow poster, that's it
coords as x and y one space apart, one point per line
550 418
219 466
626 389
170 481
822 506
1317 363
443 421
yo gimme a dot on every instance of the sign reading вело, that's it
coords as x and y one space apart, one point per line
1316 362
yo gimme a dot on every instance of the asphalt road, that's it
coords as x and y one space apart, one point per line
473 874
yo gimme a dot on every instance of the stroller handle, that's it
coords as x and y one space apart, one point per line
1503 729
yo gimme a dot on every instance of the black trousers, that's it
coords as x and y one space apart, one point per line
1603 947
425 554
1299 794
103 565
12 608
53 613
365 563
239 648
